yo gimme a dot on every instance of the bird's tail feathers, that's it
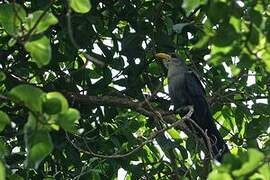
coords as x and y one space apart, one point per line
203 118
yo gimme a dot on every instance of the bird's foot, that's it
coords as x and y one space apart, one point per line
183 111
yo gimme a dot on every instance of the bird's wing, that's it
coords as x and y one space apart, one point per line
193 84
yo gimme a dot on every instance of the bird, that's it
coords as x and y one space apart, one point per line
186 90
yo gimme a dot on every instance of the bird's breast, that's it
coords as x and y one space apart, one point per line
176 84
177 89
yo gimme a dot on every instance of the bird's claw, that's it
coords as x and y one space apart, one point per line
184 110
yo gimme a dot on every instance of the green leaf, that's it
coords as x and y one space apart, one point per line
2 76
215 175
11 16
12 42
37 141
15 177
254 35
3 148
117 63
155 68
225 36
40 50
202 42
230 162
253 159
267 26
235 70
47 20
174 133
265 58
169 25
92 74
67 119
29 95
256 17
39 147
236 23
218 53
31 124
55 103
190 6
265 171
217 11
4 120
52 106
2 171
80 6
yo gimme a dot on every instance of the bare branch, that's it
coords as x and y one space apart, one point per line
122 102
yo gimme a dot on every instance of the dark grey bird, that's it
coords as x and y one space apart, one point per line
185 89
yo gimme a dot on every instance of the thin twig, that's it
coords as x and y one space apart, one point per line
2 97
150 139
74 43
157 114
38 21
17 16
204 133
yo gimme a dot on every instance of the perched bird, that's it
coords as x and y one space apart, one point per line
185 89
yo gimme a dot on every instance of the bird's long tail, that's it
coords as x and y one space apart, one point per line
218 145
203 118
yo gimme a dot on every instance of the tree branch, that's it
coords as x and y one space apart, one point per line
75 44
139 107
150 139
125 103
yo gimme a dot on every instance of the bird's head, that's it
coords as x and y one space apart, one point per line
170 58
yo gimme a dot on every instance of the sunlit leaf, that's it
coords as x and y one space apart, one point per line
12 42
190 6
52 106
4 120
174 133
265 171
215 175
29 95
40 25
54 103
2 171
2 76
37 141
202 42
235 70
265 58
255 157
67 119
40 50
80 6
40 145
3 149
11 17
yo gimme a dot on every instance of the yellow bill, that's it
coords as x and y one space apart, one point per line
163 56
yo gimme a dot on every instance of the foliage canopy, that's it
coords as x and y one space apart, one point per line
82 95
